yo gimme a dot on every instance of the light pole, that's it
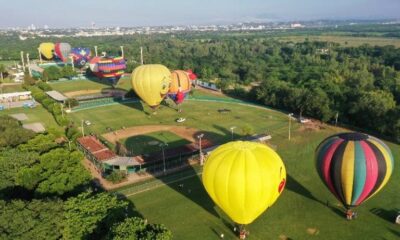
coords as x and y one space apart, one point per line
162 145
200 150
336 118
290 122
83 131
232 128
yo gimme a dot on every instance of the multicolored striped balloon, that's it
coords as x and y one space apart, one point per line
354 166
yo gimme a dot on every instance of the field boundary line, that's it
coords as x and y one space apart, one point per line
159 185
243 103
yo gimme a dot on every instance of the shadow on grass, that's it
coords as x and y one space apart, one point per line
395 232
293 185
176 159
388 215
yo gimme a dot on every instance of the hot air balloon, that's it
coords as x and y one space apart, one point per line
151 83
62 51
244 179
111 68
47 50
354 166
180 86
80 56
192 75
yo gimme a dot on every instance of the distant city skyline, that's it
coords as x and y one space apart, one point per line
125 13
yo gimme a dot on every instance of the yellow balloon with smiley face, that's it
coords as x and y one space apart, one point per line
151 83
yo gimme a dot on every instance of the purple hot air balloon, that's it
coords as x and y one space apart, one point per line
81 56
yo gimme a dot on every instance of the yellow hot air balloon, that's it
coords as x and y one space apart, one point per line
47 49
151 83
244 179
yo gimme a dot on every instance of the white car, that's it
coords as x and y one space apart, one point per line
304 120
180 120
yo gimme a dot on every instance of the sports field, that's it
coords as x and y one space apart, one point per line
199 114
82 85
148 143
305 210
11 88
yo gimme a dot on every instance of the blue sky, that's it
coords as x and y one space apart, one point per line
71 13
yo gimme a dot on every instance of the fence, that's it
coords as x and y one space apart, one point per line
160 181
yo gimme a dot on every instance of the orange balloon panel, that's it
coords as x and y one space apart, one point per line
179 79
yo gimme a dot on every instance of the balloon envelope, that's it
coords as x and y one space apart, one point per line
47 50
108 67
354 166
62 51
80 55
180 83
244 179
151 83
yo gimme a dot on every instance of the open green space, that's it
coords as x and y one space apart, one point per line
144 144
37 114
11 88
85 84
202 115
305 210
347 41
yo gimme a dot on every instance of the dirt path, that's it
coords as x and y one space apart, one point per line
187 133
81 92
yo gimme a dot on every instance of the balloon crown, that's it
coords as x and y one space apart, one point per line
354 136
241 145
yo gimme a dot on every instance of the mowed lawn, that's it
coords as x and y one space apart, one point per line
37 114
201 115
11 88
148 143
94 84
305 210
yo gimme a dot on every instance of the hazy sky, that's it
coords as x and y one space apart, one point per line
67 13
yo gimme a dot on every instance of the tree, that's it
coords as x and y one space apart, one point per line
137 228
12 133
36 220
11 162
67 72
51 73
91 214
60 172
41 143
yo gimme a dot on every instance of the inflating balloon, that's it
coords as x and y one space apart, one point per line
244 179
354 166
80 55
62 51
47 50
151 83
111 68
180 86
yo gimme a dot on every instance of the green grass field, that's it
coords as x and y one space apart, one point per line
11 89
144 144
95 84
301 212
37 114
345 40
201 115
